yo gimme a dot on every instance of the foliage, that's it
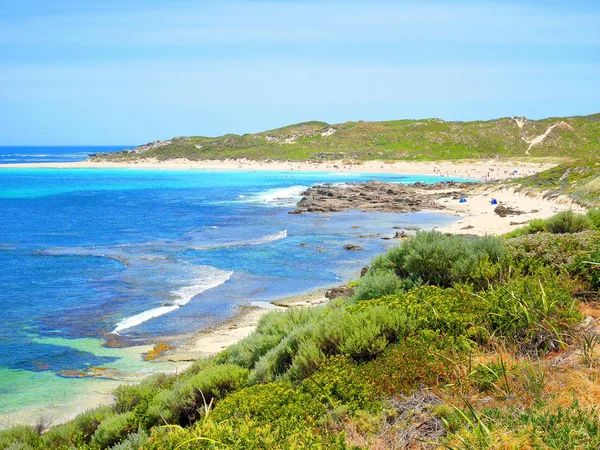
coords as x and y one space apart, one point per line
184 402
424 139
113 429
20 437
438 259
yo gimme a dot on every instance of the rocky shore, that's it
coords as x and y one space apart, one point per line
377 196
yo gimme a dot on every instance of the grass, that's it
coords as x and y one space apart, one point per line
426 139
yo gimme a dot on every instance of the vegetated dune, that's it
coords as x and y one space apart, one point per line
426 139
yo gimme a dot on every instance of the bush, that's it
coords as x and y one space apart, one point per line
434 258
532 312
564 252
79 431
567 222
20 437
184 403
132 396
593 216
377 283
113 429
134 441
359 334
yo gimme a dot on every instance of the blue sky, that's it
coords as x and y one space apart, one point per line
94 72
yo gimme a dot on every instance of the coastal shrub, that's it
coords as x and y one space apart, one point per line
377 283
271 330
568 222
438 259
133 441
563 252
340 383
113 429
131 396
188 397
560 223
359 334
20 437
593 216
419 361
79 431
451 311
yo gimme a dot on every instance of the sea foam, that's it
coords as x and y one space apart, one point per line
258 241
212 278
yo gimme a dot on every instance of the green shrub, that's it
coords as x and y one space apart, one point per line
563 252
20 437
113 429
271 330
130 396
377 283
567 222
359 334
184 403
79 431
593 216
435 258
134 441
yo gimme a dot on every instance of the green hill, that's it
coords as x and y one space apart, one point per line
427 139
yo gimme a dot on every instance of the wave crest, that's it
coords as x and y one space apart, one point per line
212 278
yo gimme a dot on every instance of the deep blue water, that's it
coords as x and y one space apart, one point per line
44 154
87 253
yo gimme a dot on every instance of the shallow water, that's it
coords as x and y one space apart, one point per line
90 253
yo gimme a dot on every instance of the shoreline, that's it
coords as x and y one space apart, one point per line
476 216
480 170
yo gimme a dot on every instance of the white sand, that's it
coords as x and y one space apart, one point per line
478 216
467 169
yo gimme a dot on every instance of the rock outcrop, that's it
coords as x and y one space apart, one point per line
376 196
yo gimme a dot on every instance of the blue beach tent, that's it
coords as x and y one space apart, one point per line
494 201
462 200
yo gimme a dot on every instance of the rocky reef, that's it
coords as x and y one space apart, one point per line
377 196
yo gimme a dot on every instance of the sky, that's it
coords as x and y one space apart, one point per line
102 72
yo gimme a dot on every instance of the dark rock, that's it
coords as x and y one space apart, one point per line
468 227
352 247
504 211
340 291
364 271
376 196
303 244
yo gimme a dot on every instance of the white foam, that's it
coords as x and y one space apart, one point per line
259 241
281 196
211 278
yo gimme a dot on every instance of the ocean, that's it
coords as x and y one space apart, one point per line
39 154
90 256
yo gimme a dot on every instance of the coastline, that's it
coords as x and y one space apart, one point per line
476 216
481 170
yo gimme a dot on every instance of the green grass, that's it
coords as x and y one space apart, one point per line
427 139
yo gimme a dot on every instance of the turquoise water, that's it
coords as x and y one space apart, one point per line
96 255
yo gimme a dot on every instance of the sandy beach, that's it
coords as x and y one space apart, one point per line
488 170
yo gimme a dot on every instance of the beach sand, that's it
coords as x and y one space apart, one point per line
489 170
